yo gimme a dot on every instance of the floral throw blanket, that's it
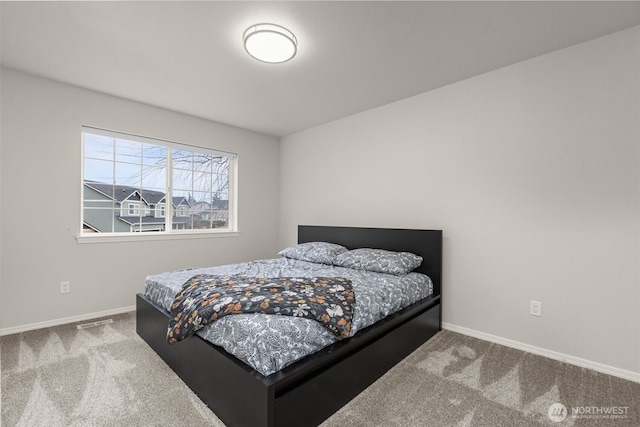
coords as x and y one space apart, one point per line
205 298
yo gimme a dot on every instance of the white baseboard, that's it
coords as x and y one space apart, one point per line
65 320
583 363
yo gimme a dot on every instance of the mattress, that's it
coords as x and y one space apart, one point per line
269 343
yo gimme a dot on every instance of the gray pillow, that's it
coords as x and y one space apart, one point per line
318 252
379 260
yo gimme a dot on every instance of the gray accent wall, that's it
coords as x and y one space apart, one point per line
533 173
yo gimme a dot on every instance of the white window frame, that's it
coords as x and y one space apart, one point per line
167 209
133 209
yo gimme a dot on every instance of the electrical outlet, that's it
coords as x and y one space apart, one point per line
536 308
65 287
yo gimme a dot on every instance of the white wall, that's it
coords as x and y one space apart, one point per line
533 173
41 176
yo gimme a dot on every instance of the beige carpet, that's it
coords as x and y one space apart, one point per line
107 376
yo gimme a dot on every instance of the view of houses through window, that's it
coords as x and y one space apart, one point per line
134 184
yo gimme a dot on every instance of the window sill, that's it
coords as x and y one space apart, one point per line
145 237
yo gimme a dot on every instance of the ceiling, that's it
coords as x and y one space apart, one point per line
352 56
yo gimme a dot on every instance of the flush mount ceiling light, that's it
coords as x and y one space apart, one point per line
270 43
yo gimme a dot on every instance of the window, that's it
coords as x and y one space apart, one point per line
134 184
134 209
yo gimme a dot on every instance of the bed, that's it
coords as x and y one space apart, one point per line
241 396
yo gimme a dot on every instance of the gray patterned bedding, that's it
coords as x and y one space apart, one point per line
268 343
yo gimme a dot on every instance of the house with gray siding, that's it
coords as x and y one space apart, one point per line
122 208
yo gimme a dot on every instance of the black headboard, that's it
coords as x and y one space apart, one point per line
426 243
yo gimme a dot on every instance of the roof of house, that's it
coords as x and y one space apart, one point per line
216 205
177 201
120 193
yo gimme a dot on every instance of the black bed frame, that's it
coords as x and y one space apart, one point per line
324 381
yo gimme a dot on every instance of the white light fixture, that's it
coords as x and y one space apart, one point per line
270 43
